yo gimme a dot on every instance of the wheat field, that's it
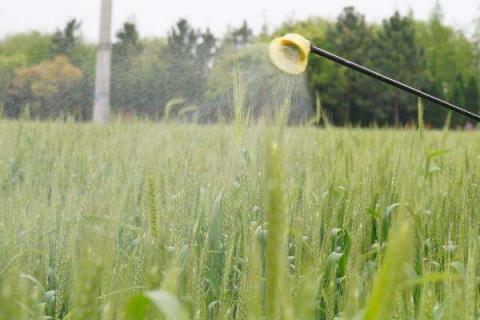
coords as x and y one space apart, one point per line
179 221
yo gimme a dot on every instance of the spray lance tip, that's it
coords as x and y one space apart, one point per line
290 53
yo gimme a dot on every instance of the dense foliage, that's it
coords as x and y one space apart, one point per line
192 70
221 222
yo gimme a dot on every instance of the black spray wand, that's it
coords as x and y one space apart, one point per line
290 54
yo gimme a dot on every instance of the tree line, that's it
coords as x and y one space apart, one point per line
190 73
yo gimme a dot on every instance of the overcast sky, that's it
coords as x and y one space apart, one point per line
155 17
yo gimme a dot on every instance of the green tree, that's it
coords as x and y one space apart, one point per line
185 73
124 94
27 48
182 39
457 95
399 55
40 89
68 42
150 70
64 41
206 50
189 54
128 43
17 51
142 89
351 38
448 53
239 37
472 94
7 71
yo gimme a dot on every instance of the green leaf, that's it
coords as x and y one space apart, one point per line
437 153
163 301
390 276
137 307
387 218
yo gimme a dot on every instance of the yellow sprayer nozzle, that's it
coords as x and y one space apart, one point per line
290 53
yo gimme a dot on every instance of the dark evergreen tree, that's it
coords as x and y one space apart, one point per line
457 92
239 37
398 55
125 88
351 38
206 50
182 40
64 41
472 94
128 44
189 54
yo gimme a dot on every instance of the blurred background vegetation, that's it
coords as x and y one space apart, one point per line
52 75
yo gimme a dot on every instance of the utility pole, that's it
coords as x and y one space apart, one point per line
101 108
